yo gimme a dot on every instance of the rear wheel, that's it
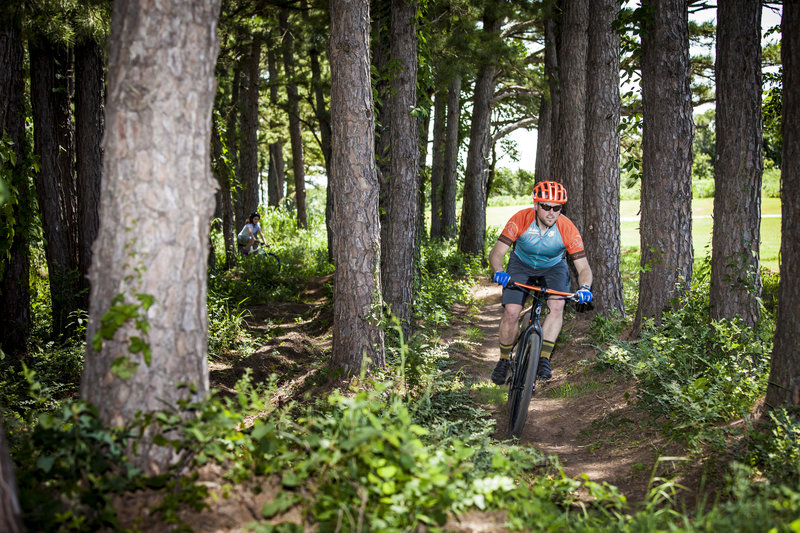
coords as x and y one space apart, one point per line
521 388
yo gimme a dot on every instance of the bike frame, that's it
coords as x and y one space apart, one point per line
524 366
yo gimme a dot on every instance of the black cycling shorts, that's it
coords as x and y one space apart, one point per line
556 278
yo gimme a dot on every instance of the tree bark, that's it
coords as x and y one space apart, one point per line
248 154
89 126
548 111
14 270
222 175
295 132
473 210
380 40
55 183
784 378
157 197
276 178
666 197
324 119
357 301
402 202
437 164
568 157
10 508
450 174
735 279
602 233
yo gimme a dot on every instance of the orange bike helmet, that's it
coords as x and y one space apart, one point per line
549 191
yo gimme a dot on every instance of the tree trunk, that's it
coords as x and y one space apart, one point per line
568 157
15 267
602 234
276 177
473 210
784 378
735 279
324 120
437 166
232 137
156 200
450 174
295 132
55 183
222 175
401 204
548 111
380 30
666 214
424 122
357 302
89 125
10 508
248 154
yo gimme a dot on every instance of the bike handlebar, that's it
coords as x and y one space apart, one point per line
566 295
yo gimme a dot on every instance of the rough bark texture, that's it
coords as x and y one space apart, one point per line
55 182
14 274
570 130
437 163
295 131
735 279
450 174
602 223
222 175
157 198
89 126
248 153
276 177
548 111
357 300
380 29
402 202
784 378
10 509
666 215
473 210
317 48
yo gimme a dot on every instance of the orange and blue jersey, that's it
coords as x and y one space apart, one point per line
539 248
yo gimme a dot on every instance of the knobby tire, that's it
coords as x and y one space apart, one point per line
521 387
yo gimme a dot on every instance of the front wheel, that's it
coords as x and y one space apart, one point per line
521 388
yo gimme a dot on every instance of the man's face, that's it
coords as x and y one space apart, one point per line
547 213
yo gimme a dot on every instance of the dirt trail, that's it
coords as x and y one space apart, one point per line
582 415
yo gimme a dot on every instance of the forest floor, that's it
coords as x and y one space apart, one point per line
585 415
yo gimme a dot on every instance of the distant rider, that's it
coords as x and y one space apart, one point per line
250 232
540 237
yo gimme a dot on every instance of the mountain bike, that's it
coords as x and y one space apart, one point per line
525 355
259 250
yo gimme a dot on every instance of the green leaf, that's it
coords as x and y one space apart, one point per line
46 463
123 368
146 300
387 472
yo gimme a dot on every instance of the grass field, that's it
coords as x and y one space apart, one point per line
702 225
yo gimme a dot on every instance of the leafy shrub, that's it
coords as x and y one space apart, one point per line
692 371
777 451
226 329
771 180
69 467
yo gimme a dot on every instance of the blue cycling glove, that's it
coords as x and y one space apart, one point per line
501 278
584 294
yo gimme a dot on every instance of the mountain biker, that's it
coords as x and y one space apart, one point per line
540 237
250 232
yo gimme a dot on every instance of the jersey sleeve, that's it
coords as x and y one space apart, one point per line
516 226
573 241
